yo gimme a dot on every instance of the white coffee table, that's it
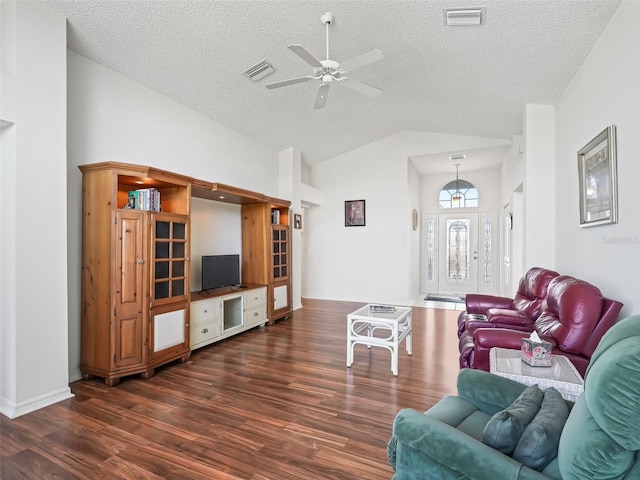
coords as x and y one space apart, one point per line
562 374
379 326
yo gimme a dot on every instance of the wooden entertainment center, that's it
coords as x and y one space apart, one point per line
137 311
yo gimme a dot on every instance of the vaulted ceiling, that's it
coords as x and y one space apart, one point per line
465 80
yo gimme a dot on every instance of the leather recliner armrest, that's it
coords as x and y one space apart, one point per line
487 338
509 317
479 303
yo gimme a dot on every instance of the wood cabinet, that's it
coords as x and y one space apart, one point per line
225 312
136 268
135 272
266 254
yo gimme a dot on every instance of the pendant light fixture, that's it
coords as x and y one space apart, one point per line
457 195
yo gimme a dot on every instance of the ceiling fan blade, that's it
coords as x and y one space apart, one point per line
305 55
362 87
361 60
291 81
321 98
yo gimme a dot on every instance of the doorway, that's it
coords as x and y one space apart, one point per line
459 253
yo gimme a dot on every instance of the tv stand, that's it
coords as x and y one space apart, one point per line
225 312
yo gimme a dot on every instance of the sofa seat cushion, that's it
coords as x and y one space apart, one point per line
461 415
504 429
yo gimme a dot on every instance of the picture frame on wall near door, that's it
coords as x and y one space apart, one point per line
598 177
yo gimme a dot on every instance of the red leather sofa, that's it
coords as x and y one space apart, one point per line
574 318
517 313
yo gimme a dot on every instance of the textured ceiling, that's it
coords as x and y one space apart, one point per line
457 80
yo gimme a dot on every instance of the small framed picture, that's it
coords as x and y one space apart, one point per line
297 220
597 173
354 213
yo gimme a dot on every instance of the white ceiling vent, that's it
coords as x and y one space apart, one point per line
464 16
259 71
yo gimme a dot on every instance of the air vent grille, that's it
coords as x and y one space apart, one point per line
259 71
464 16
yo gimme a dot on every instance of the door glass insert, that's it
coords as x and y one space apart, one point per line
179 231
163 229
162 270
458 250
170 257
279 258
486 243
431 241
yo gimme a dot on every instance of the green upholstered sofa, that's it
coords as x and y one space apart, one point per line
600 439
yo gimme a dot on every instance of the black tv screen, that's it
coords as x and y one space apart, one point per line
220 271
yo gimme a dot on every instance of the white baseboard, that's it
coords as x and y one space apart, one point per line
12 410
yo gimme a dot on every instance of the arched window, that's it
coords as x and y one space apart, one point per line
458 194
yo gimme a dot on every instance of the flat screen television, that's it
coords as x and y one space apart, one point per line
220 271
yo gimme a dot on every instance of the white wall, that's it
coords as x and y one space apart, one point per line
216 229
112 118
604 91
539 181
33 241
413 184
376 262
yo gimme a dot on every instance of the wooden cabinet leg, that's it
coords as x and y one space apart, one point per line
149 373
86 376
185 358
112 382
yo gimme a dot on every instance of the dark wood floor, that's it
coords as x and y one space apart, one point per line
272 403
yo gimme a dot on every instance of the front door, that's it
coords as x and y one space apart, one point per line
458 253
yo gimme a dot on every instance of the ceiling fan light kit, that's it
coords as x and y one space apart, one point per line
329 71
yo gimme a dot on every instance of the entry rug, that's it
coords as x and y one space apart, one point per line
443 298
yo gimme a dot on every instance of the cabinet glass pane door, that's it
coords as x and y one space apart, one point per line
170 257
280 252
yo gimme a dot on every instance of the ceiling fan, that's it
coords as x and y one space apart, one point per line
329 71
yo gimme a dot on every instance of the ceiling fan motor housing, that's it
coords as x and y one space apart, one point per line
326 18
330 68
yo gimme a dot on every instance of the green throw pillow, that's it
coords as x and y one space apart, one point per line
538 444
504 429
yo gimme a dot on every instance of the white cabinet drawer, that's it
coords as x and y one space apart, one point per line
204 310
257 296
203 332
255 315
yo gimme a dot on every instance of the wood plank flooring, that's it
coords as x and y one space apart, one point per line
273 403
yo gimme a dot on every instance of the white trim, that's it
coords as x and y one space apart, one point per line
13 410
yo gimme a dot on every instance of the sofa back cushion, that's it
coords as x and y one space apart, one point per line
532 290
570 312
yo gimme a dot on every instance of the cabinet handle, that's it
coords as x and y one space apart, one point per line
255 314
206 311
140 261
204 330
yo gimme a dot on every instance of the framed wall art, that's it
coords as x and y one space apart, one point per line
354 213
597 172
